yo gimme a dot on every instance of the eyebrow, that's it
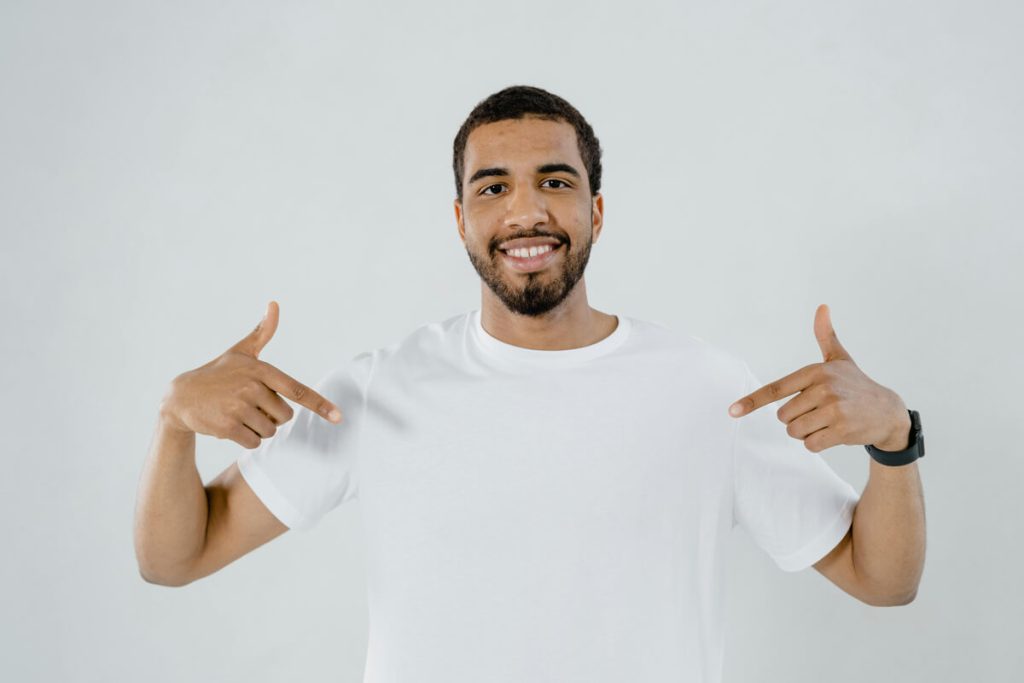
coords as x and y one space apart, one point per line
546 168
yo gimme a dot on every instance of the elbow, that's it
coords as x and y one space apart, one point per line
158 573
897 600
157 579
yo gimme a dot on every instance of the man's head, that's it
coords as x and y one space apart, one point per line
528 168
516 102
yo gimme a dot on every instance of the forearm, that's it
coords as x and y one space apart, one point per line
889 533
171 508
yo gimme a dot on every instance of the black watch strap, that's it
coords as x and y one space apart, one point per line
912 452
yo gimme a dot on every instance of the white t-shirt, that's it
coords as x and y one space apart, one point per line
551 516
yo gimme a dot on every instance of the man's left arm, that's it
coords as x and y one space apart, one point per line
881 558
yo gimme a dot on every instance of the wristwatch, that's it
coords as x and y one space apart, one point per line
908 455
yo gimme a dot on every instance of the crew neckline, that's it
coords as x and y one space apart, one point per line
514 356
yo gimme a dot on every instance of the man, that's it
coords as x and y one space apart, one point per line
546 488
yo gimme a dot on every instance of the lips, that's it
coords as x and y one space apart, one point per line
527 242
531 264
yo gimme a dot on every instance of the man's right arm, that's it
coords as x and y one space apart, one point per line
183 530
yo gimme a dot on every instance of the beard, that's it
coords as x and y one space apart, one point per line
532 294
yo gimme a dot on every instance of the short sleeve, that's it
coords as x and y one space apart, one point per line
309 466
793 505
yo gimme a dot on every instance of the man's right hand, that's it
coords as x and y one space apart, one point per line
235 396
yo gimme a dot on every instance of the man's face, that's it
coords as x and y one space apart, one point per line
519 188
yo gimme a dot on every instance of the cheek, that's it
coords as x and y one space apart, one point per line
575 223
575 212
474 217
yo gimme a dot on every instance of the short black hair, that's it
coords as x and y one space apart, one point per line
519 101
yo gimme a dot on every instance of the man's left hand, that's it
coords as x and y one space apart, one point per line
836 402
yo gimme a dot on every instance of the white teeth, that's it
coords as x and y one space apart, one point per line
531 252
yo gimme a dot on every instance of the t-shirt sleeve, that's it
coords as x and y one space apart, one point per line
309 467
793 505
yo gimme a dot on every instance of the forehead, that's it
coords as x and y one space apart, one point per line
527 140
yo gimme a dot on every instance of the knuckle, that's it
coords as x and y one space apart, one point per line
224 426
262 368
235 407
299 392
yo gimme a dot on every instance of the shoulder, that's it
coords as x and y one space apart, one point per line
348 378
354 375
695 352
426 338
419 350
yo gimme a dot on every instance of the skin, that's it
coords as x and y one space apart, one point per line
546 309
881 558
185 531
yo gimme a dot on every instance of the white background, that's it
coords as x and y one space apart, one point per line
168 168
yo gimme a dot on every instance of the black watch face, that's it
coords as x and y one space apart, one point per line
915 420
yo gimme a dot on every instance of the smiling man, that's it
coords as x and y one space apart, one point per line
546 489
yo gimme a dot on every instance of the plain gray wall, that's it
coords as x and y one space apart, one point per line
168 168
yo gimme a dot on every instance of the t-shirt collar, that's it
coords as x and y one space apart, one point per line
513 356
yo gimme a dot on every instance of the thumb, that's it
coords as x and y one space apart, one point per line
828 341
252 344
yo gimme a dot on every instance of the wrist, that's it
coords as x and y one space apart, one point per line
170 424
899 437
889 452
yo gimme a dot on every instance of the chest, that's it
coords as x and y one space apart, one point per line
532 450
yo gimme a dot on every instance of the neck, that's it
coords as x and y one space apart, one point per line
570 325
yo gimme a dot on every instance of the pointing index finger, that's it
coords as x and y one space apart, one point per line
295 390
773 391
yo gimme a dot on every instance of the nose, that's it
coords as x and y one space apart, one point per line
526 208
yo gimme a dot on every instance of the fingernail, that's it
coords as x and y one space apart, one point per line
735 409
334 415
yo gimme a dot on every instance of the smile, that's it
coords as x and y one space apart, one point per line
521 260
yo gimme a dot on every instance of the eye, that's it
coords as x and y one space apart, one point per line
557 180
484 191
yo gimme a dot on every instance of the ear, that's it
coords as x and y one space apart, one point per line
598 210
458 220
